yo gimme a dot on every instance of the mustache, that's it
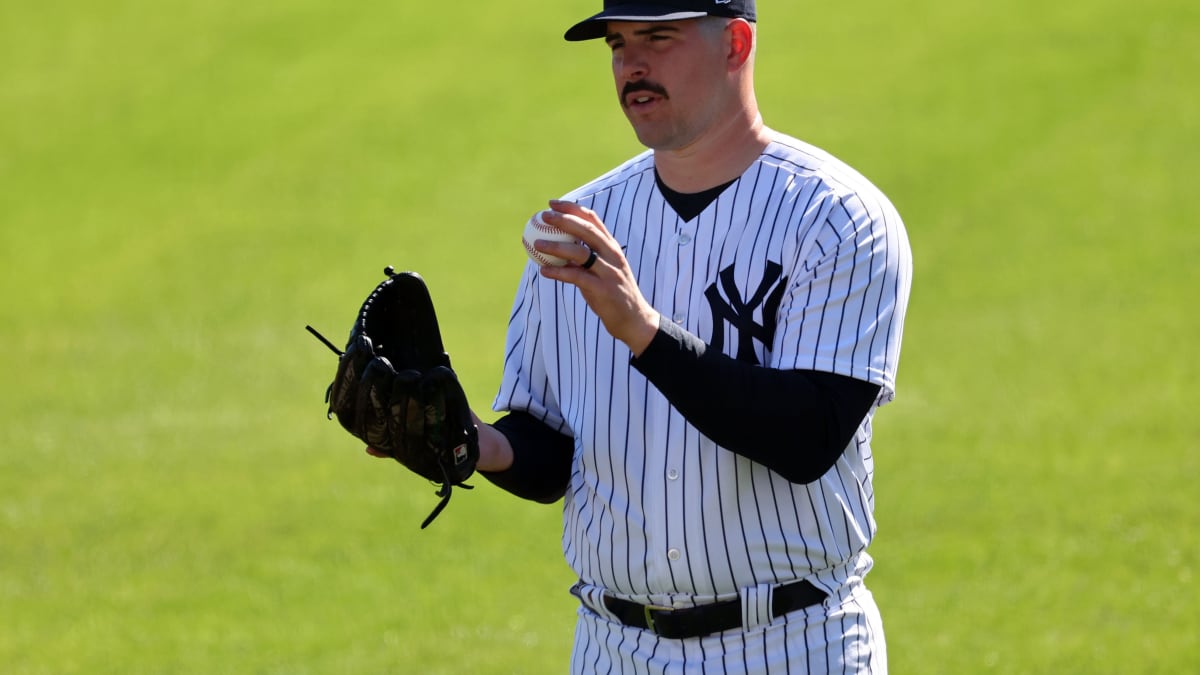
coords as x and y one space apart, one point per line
642 85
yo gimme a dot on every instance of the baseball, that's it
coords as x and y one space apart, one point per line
536 229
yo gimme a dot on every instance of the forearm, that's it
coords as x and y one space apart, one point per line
523 456
796 422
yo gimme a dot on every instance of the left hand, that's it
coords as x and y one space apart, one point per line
609 286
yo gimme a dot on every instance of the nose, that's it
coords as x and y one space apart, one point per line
629 64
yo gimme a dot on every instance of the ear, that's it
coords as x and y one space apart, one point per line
740 36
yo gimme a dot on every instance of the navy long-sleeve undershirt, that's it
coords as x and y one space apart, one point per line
795 422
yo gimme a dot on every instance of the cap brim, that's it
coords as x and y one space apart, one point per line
597 26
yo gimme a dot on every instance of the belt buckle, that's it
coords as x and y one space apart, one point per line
647 613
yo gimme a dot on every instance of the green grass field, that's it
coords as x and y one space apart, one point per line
184 186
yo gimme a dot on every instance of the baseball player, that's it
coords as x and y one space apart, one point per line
697 384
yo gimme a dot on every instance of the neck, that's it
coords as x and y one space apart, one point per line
716 158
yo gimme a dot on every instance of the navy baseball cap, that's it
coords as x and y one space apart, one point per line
663 10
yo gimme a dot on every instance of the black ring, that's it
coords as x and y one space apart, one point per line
587 264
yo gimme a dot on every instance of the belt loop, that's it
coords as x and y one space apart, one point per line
593 598
756 605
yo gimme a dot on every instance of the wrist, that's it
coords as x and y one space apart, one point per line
495 452
643 332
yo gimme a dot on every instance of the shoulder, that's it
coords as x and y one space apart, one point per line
635 169
835 192
809 162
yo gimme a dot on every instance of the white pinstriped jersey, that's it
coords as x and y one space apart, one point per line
800 264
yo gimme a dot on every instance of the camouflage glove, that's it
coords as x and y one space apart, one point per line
394 388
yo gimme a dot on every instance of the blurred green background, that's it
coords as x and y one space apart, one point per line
185 185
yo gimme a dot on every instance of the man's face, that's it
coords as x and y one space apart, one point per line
670 79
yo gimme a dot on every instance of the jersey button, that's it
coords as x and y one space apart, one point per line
673 474
685 239
678 318
674 554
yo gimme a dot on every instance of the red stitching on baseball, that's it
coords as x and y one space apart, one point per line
538 257
539 224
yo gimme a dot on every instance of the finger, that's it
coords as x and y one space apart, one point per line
581 222
592 258
577 210
573 253
590 281
589 238
575 224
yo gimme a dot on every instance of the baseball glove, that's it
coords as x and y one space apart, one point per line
394 388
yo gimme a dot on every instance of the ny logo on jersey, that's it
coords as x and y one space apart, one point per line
739 313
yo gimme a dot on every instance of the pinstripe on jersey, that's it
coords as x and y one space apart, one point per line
655 512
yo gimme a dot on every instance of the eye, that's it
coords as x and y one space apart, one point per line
660 38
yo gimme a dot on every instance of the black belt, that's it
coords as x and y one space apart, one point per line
715 617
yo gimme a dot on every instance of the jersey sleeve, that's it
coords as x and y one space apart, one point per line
844 309
525 386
